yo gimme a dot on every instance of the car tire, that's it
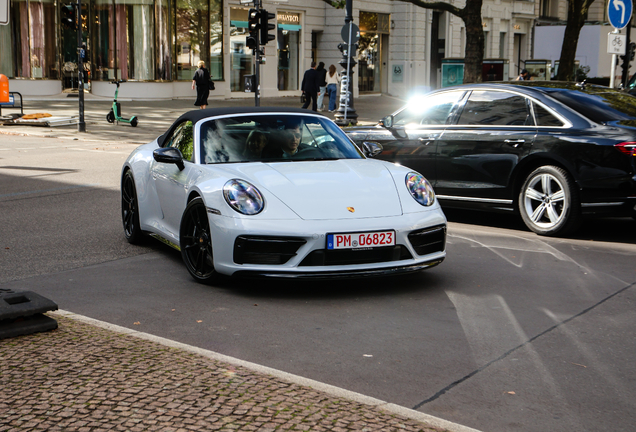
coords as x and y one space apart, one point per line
130 209
549 202
110 117
196 242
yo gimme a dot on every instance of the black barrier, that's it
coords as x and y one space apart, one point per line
21 313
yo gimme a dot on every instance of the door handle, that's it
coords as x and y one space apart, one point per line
514 142
428 139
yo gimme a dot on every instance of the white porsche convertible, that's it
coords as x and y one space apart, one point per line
278 192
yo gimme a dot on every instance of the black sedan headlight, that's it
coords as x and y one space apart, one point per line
243 197
420 189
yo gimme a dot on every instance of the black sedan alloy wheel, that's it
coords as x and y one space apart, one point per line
548 202
130 209
196 242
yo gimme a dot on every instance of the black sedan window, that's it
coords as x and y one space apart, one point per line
273 137
598 104
428 110
495 108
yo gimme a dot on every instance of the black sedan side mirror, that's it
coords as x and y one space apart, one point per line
371 149
387 122
169 155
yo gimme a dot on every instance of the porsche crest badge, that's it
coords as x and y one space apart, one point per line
351 209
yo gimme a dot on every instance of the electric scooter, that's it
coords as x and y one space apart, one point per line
115 111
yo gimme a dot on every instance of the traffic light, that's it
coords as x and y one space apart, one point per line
253 25
69 16
631 49
266 26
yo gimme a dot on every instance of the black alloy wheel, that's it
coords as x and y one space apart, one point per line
130 209
549 203
196 242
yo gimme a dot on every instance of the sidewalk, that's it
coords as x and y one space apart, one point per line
155 116
92 376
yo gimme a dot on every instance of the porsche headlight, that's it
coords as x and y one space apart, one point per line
243 197
420 189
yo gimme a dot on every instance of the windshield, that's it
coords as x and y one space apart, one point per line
273 137
599 104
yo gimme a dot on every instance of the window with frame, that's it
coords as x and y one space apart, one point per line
495 108
545 118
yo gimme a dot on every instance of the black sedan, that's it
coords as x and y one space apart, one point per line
551 151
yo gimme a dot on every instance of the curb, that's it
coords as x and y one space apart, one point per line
295 379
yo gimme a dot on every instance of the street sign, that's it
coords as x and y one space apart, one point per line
355 33
619 12
4 12
616 43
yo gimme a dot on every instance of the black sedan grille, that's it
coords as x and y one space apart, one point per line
327 257
265 250
428 240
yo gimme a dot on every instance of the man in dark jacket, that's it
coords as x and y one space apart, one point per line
310 87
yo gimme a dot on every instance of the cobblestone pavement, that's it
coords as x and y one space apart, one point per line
84 378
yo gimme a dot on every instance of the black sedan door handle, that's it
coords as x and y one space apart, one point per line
514 142
428 139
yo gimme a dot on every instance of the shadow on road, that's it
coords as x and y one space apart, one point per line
600 229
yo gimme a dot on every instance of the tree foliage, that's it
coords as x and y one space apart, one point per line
471 15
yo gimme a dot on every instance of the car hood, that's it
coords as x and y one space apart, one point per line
341 189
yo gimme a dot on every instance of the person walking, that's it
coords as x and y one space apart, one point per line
322 85
333 80
201 80
309 87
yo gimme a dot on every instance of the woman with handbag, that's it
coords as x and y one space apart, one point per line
202 81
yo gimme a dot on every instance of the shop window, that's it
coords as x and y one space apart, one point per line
193 36
28 43
241 57
288 40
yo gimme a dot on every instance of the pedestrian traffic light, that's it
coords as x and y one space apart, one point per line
632 48
69 17
253 25
266 26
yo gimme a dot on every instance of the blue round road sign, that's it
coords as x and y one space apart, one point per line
619 12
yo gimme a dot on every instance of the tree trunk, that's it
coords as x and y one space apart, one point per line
577 14
474 53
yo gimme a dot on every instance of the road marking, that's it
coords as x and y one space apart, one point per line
295 379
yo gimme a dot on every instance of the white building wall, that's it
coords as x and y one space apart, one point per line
591 49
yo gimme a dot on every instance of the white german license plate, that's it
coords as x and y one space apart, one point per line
361 240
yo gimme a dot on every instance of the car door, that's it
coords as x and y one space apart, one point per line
171 183
412 138
478 153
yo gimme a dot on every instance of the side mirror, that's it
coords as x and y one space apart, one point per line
169 155
387 122
371 149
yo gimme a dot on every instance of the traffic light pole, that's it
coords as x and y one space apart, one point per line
81 126
257 61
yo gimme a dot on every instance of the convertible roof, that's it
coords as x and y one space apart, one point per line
196 115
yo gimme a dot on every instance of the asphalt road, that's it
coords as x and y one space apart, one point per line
513 332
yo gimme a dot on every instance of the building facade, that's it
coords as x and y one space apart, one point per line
155 45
